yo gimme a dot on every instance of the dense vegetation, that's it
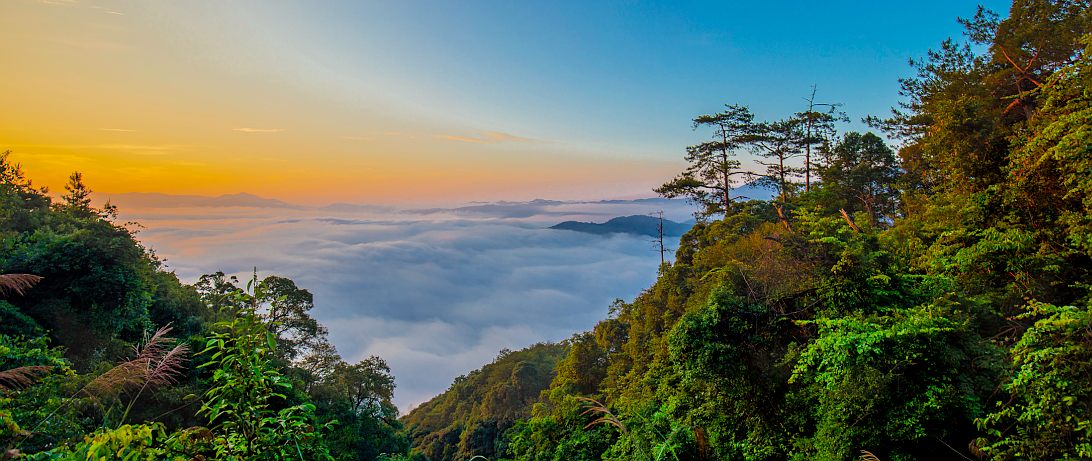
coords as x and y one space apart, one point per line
929 303
471 417
89 370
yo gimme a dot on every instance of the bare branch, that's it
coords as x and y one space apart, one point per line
849 220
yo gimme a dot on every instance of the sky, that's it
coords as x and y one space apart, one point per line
410 102
410 105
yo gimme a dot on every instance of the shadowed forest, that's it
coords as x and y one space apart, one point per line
917 292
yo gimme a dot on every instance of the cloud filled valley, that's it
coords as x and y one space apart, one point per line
435 292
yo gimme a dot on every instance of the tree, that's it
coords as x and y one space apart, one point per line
901 382
818 129
862 175
1049 412
318 363
659 240
1037 39
708 181
21 204
217 289
951 128
368 386
246 386
78 196
287 318
781 142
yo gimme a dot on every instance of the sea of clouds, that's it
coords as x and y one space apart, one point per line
435 292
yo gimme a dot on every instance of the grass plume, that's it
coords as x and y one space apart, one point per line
868 456
21 378
595 407
153 365
17 283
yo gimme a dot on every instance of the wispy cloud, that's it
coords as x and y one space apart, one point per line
259 130
401 135
352 137
505 137
138 149
107 11
464 138
490 137
114 129
125 147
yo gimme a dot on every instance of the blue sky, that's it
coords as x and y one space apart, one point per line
320 102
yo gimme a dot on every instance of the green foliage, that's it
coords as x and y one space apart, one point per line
583 368
38 417
708 181
779 143
856 272
1049 412
77 197
286 315
246 387
129 443
566 433
15 323
896 383
358 397
861 174
724 357
95 274
471 418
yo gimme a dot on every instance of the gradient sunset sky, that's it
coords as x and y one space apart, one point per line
314 102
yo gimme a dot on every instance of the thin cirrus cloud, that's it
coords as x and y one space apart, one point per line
108 11
356 137
138 149
400 135
258 130
491 137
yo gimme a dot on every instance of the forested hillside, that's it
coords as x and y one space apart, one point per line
929 303
472 416
104 354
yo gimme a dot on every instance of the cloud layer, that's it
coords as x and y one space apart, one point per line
435 293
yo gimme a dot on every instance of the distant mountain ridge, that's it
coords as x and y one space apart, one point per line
157 200
636 224
500 209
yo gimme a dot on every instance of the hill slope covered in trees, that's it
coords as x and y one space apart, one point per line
927 304
637 224
106 355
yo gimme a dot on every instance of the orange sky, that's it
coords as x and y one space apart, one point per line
114 91
417 101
